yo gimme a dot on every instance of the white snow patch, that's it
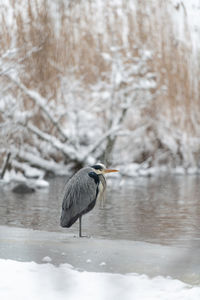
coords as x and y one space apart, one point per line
41 183
179 170
47 259
130 169
29 171
12 175
28 280
192 170
17 177
102 263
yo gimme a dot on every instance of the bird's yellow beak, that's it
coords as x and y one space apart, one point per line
110 170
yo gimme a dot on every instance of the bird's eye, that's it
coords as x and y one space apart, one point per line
97 167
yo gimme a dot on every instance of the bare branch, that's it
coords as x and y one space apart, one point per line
5 165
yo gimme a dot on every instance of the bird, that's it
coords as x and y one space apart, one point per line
81 193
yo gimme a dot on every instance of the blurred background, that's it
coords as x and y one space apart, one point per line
113 81
116 81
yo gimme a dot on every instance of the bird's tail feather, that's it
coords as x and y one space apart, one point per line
66 220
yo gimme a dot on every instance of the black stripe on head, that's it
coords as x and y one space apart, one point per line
94 176
97 167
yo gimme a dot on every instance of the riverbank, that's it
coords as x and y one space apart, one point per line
101 255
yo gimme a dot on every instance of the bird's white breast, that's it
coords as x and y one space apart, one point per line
101 187
101 190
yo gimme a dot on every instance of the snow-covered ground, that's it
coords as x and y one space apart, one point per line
31 281
51 265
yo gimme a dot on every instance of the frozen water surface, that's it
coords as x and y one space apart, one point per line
147 230
101 255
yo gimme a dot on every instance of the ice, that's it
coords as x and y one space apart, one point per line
102 263
46 259
29 280
97 255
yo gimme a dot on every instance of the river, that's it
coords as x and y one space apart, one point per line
162 210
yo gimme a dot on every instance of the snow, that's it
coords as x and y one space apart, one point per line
41 183
46 259
12 175
102 263
17 177
190 10
179 170
29 171
29 280
78 123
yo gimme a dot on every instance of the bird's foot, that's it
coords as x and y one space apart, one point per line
84 236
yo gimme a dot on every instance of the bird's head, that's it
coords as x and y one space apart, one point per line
101 169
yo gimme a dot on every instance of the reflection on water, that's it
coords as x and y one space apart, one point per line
158 209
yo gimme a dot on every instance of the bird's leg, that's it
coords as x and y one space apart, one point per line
80 231
80 228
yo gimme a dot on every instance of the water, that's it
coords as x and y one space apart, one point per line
162 210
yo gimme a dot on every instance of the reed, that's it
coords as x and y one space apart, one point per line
70 37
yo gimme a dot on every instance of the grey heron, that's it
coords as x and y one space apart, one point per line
81 193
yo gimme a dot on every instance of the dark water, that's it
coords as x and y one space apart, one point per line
163 210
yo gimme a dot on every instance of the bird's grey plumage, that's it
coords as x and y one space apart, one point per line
80 194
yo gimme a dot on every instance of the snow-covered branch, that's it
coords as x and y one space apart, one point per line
112 110
41 163
67 150
41 103
12 65
104 137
